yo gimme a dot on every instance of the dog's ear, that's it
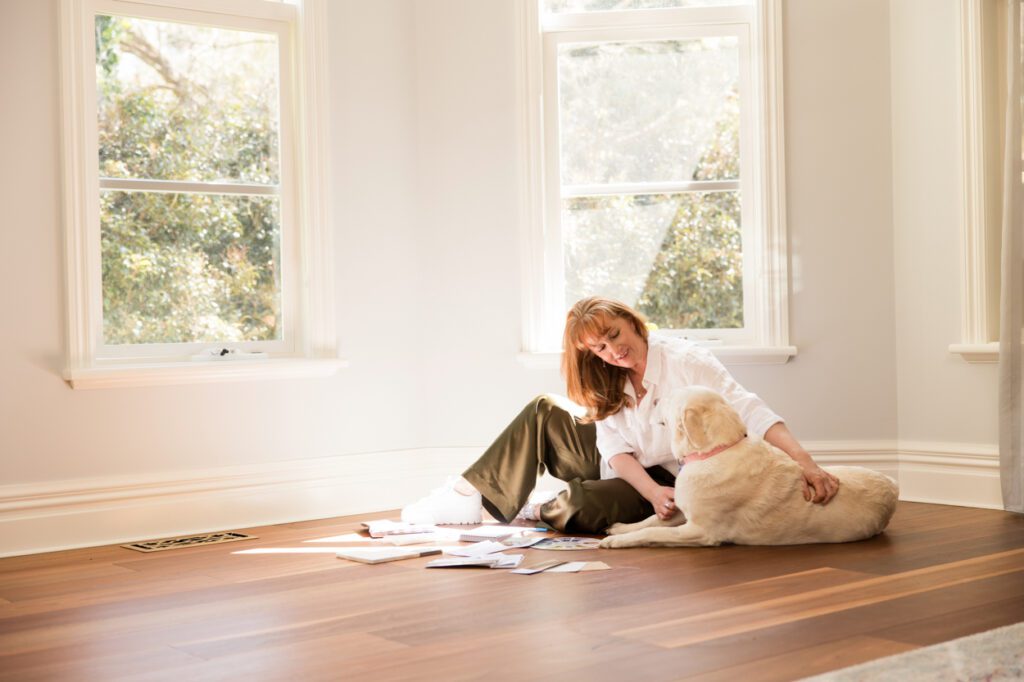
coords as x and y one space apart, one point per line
723 424
693 423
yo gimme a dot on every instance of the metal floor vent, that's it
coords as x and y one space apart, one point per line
187 541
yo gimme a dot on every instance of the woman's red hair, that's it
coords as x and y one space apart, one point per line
589 381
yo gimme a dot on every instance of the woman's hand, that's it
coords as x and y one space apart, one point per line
663 498
819 485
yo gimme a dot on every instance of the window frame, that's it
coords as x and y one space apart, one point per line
982 93
766 283
308 346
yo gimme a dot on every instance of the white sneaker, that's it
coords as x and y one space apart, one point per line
444 506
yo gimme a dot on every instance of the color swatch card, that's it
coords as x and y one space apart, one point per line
567 543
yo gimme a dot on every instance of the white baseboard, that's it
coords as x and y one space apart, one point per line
881 456
960 474
89 512
965 475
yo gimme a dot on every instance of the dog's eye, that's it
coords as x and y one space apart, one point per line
662 423
655 401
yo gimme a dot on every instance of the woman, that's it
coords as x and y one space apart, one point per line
617 459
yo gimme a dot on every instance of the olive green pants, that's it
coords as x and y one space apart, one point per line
546 437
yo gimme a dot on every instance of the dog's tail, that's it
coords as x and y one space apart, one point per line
884 500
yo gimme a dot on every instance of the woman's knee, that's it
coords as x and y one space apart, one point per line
542 403
547 404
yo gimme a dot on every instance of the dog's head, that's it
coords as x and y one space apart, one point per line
700 419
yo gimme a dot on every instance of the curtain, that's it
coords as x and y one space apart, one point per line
1011 299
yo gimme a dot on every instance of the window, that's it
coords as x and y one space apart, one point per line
655 169
186 230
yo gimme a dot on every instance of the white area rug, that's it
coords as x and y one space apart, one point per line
987 656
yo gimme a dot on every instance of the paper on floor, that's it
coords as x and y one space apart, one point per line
579 567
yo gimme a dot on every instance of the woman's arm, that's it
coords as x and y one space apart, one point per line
819 485
663 498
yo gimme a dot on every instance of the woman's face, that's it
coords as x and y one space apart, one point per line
620 345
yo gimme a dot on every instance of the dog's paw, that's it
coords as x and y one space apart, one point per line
611 542
618 528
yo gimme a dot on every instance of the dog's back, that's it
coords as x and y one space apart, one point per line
862 508
757 499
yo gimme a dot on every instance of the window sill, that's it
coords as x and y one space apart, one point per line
729 355
169 374
977 353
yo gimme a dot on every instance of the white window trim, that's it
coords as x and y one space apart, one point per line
770 328
979 291
315 353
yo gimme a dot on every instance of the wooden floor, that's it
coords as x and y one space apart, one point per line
727 613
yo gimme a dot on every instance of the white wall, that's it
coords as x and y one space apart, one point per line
941 398
468 221
841 385
425 201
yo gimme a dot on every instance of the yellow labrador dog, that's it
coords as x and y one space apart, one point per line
734 489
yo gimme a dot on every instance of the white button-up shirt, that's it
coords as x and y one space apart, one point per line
672 363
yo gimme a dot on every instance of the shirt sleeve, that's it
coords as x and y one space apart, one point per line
611 440
706 370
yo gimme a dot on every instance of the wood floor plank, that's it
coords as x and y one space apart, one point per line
807 661
188 610
43 578
765 613
300 630
98 595
537 652
122 581
686 604
959 623
90 662
871 620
